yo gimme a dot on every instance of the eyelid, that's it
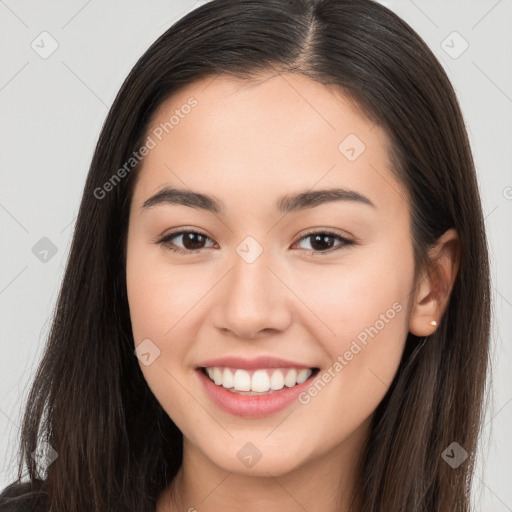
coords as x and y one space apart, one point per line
346 241
180 231
330 232
163 240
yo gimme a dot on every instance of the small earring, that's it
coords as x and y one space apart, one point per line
434 323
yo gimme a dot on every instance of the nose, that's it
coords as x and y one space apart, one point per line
252 301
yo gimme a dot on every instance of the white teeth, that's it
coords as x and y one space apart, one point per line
303 375
261 381
242 381
217 376
277 380
291 378
227 378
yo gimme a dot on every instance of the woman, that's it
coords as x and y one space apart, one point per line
277 295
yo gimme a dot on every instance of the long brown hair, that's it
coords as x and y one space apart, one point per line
117 448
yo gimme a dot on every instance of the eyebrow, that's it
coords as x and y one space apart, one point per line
285 204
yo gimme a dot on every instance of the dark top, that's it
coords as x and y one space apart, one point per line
20 497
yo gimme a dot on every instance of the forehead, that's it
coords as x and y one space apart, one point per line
264 105
277 133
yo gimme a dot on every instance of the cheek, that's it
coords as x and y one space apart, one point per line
366 307
363 307
160 299
370 290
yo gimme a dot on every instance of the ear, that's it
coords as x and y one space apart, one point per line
434 287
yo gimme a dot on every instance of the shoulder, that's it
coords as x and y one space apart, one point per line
23 497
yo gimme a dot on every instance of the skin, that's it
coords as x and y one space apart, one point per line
247 144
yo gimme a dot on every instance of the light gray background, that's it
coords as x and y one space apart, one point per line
52 111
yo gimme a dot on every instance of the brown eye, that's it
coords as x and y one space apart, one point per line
191 241
322 242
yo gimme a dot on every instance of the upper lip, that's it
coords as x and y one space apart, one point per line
252 364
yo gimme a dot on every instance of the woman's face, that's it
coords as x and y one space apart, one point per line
287 273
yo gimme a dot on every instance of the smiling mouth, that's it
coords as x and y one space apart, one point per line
262 381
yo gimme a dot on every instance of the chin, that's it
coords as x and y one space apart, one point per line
258 458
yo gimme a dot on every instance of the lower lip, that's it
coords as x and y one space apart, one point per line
255 406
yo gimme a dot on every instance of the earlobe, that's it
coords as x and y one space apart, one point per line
435 286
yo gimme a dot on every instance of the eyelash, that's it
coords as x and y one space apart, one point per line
165 242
